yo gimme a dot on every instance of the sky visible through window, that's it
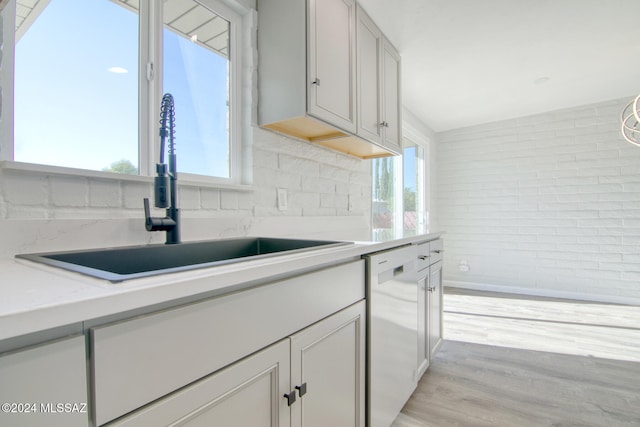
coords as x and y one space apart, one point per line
73 108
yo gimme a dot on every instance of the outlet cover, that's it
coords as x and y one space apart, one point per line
282 199
463 266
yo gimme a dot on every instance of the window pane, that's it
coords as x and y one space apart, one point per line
196 73
411 188
414 189
76 84
384 198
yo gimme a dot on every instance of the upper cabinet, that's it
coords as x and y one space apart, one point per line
309 85
390 93
332 62
378 64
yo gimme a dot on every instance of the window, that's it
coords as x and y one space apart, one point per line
82 99
414 189
399 196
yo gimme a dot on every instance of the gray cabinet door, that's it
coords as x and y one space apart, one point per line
45 385
391 97
435 307
332 62
369 47
328 359
423 322
248 393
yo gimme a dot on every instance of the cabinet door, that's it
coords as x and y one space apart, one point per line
435 307
33 382
248 393
391 97
328 359
369 47
332 60
423 322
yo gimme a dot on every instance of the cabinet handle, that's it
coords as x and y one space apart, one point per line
384 124
316 82
302 389
437 251
291 397
423 257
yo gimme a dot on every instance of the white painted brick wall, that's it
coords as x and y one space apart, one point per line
319 182
546 204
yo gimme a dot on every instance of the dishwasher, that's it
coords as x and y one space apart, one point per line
392 328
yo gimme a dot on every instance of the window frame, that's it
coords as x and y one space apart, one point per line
149 94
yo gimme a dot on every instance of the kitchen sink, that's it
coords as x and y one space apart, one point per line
129 262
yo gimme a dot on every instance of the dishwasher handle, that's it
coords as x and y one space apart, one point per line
395 272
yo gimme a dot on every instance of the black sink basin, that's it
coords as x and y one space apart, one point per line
129 262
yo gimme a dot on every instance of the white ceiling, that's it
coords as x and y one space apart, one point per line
467 62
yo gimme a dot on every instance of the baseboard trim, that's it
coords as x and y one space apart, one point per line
613 299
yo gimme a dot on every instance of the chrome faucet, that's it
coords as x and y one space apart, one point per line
166 181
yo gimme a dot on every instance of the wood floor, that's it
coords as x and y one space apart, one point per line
526 361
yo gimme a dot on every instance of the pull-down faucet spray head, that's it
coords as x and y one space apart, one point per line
165 183
161 181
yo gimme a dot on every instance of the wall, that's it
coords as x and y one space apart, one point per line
43 209
547 204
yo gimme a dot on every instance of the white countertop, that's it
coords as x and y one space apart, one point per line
37 297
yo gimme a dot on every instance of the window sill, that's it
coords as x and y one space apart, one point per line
185 180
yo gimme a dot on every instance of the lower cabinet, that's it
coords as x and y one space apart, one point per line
45 385
137 361
429 278
312 378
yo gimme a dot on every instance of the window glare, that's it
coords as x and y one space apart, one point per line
196 73
76 86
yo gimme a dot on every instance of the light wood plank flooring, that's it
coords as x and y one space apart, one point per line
510 360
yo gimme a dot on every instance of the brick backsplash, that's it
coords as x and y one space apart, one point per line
318 182
548 203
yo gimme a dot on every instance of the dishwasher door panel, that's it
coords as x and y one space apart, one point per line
393 333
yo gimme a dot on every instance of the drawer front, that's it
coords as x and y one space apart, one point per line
436 249
140 360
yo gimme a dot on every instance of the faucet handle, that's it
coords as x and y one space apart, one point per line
147 213
156 224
